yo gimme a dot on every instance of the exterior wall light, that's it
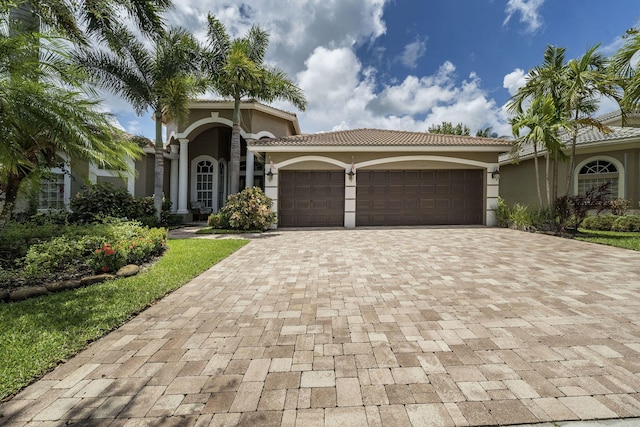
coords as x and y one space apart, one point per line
495 174
271 167
352 172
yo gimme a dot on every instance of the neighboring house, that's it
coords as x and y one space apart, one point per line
363 177
612 157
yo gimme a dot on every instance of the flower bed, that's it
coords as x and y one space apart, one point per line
30 258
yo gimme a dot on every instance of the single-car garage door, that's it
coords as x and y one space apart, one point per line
419 197
311 198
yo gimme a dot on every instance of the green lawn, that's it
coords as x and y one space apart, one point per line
210 230
36 334
611 238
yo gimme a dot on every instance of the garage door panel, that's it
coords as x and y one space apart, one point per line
311 198
419 197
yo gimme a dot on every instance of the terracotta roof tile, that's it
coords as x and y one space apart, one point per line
379 137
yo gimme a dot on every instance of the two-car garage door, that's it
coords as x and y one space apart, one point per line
383 197
419 197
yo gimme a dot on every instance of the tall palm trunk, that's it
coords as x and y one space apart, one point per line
234 166
535 163
548 177
572 160
159 167
554 188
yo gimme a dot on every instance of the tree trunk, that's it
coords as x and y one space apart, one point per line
10 195
572 160
548 177
159 167
554 194
234 165
535 163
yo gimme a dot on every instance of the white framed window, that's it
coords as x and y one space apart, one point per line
599 170
55 187
53 191
204 182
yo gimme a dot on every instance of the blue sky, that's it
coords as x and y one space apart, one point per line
407 64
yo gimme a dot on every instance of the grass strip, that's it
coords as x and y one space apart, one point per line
625 240
210 230
36 334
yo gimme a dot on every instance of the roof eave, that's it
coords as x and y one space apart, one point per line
579 147
378 148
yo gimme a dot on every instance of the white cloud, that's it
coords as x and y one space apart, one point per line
514 81
413 52
342 95
296 28
529 13
314 42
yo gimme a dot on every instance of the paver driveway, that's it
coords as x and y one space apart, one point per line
463 326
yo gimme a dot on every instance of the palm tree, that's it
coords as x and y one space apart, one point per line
624 66
236 70
540 122
586 81
542 81
574 87
162 78
44 111
100 17
486 133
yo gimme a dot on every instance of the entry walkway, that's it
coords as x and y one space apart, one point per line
391 327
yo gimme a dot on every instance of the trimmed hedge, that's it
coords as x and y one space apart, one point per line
612 223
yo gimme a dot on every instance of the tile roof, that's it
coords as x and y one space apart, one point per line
586 136
380 137
229 103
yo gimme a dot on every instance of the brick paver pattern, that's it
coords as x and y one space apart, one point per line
385 327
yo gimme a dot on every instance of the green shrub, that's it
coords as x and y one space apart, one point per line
520 217
105 200
599 222
100 247
100 201
59 255
626 223
502 213
248 210
218 220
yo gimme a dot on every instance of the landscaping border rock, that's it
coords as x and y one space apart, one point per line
22 293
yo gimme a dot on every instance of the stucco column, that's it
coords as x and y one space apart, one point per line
250 161
492 193
173 189
183 177
350 197
271 188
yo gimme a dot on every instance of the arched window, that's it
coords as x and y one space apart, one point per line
594 173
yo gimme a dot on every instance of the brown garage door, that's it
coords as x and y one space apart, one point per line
419 197
311 198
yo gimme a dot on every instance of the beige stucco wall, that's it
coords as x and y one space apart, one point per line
517 181
262 122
